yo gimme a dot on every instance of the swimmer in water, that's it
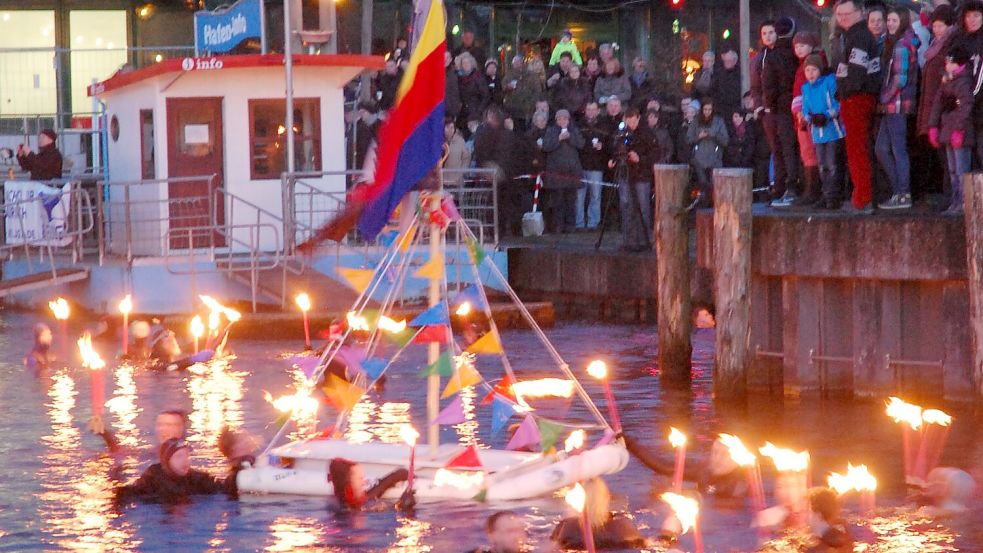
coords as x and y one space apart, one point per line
172 480
611 530
349 483
40 356
827 525
506 533
947 491
139 350
166 354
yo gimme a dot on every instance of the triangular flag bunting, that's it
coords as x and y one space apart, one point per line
405 241
388 238
433 269
527 434
607 438
466 459
465 376
351 357
449 208
502 411
306 363
435 333
373 367
436 315
503 388
400 338
482 496
359 279
441 366
488 344
477 252
341 393
471 295
452 414
549 432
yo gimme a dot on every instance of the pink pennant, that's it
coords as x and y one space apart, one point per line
306 363
526 435
606 438
450 209
452 414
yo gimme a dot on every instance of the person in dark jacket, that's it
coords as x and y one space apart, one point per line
573 93
386 84
493 82
854 56
708 137
452 94
172 480
703 79
470 46
473 89
366 132
494 147
742 144
562 144
662 148
690 109
971 38
642 83
944 32
40 357
348 480
611 530
629 150
726 91
950 124
778 79
593 158
827 524
46 163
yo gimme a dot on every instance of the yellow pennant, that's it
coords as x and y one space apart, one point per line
405 240
488 344
463 377
359 279
341 393
433 269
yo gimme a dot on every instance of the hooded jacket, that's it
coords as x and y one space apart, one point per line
613 85
709 151
932 73
855 61
953 106
778 76
819 98
900 87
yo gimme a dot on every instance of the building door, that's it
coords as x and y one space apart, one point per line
194 149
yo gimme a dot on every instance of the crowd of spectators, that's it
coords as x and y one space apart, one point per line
892 106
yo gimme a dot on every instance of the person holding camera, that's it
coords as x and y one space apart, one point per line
46 163
630 160
562 144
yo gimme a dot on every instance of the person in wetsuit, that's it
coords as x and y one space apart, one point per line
40 356
172 480
348 480
611 530
506 533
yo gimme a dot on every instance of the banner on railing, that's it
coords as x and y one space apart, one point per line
37 214
225 28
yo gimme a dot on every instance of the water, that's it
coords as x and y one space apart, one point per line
56 479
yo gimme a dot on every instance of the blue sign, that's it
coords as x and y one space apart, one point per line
224 29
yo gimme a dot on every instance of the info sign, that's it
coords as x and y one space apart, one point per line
225 28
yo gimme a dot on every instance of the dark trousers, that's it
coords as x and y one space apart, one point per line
634 197
829 167
559 209
780 130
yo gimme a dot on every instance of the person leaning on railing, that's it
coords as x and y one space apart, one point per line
46 163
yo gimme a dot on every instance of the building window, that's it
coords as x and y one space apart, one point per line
148 169
268 137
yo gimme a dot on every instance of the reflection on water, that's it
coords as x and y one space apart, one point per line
55 493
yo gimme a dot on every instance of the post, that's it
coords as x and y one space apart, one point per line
288 64
745 40
328 17
973 206
367 10
732 280
672 260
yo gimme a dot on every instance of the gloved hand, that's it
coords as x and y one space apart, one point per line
407 501
818 120
933 137
957 139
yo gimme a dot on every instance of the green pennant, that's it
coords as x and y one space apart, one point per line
482 496
477 252
400 339
441 366
549 432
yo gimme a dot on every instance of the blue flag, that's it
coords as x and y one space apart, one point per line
373 367
502 411
436 315
471 295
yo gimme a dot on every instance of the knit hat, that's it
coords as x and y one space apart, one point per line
816 61
785 27
695 104
168 449
943 13
50 134
806 37
959 54
561 112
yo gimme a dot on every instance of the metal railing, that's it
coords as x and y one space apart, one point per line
44 223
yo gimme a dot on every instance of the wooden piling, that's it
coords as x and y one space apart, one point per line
973 206
673 316
732 281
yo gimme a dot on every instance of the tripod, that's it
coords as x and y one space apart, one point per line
622 183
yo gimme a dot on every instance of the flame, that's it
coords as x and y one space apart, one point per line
463 310
303 302
934 416
576 498
197 327
231 314
60 308
786 460
389 325
857 478
126 305
300 405
597 369
686 509
357 322
545 387
738 452
676 438
459 480
409 434
574 441
90 357
908 413
213 320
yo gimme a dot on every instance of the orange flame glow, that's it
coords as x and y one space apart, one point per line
197 327
738 452
390 325
357 322
575 441
300 405
686 509
576 497
409 434
90 357
303 302
598 369
544 387
857 478
463 310
676 438
126 305
934 416
231 314
59 308
786 460
907 413
459 480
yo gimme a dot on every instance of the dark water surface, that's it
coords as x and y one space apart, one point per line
56 479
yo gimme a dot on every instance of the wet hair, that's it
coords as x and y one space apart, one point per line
339 474
226 441
824 502
493 519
